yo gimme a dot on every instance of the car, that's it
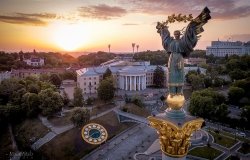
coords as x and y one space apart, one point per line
241 134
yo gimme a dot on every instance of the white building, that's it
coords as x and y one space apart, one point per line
195 61
5 75
34 61
130 76
223 48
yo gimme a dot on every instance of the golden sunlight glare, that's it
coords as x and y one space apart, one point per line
70 37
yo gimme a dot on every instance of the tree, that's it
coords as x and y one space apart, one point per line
78 97
159 77
55 79
30 103
196 81
65 98
106 89
80 116
208 82
11 113
208 104
34 88
137 101
245 114
68 75
237 74
218 82
187 76
221 112
7 88
51 101
235 94
107 73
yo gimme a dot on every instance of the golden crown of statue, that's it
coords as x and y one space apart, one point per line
174 18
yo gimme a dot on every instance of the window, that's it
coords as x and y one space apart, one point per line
95 83
89 78
84 83
94 77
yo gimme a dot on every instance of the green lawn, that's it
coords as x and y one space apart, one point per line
205 152
233 136
222 140
70 145
134 109
28 131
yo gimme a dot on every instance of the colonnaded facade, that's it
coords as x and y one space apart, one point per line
128 75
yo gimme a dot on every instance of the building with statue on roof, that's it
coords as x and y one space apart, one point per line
128 75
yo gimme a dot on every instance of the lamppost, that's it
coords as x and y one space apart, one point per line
109 47
133 46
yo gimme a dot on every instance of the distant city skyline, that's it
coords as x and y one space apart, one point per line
91 25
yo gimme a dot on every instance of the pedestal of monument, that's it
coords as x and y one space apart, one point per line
175 128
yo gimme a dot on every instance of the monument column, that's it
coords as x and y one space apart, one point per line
130 82
139 83
175 127
134 83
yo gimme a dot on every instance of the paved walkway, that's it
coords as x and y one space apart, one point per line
132 116
55 130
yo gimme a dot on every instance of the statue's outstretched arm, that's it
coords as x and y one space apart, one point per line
190 37
166 39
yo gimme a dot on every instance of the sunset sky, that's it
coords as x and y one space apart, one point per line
90 25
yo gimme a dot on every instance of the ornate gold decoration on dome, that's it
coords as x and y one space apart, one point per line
174 140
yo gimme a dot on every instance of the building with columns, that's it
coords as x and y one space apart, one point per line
128 75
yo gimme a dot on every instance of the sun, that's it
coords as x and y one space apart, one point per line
70 37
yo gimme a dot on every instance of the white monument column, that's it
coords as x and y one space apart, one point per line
139 83
130 82
134 83
126 77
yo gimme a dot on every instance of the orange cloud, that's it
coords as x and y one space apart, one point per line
102 11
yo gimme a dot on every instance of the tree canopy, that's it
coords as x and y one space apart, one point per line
106 90
78 97
159 77
208 104
51 101
80 116
107 73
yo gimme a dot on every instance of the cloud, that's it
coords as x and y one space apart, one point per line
222 9
38 15
37 19
238 37
130 24
22 20
102 11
